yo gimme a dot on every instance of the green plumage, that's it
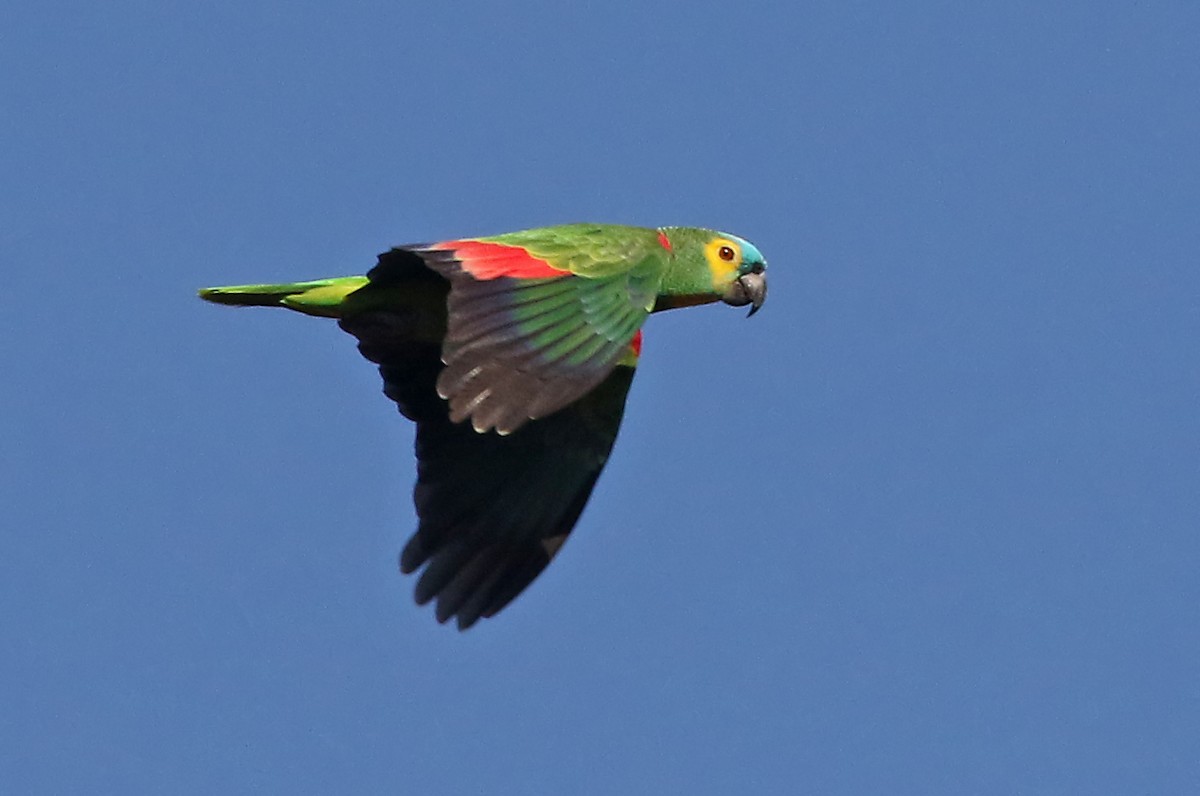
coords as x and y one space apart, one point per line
324 297
594 251
532 337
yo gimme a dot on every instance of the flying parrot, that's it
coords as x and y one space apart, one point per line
513 355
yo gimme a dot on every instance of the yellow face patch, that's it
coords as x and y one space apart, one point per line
724 256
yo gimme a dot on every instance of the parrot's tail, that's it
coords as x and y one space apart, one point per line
323 298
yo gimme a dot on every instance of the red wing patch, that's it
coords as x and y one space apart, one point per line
493 260
663 240
636 343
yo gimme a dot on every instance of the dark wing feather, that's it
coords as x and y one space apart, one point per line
494 510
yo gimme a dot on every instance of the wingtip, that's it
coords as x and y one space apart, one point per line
466 623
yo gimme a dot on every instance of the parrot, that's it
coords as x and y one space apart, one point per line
513 355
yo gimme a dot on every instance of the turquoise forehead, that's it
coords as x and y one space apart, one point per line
750 252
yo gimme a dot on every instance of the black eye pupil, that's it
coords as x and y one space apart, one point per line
726 253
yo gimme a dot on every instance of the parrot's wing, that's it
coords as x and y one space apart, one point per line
525 337
493 510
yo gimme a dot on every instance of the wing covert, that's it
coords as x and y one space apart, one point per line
525 337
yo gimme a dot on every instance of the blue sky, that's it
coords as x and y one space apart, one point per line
927 524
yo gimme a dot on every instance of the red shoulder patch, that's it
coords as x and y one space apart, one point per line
636 343
663 240
493 260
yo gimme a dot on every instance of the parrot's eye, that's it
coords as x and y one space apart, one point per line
726 254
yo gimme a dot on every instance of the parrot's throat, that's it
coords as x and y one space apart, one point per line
663 303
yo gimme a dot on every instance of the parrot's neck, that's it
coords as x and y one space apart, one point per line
688 280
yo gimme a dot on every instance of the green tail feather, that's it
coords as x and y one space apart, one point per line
323 297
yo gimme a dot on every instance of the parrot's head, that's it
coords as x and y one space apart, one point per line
740 269
712 266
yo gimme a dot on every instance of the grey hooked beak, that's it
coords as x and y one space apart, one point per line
749 289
